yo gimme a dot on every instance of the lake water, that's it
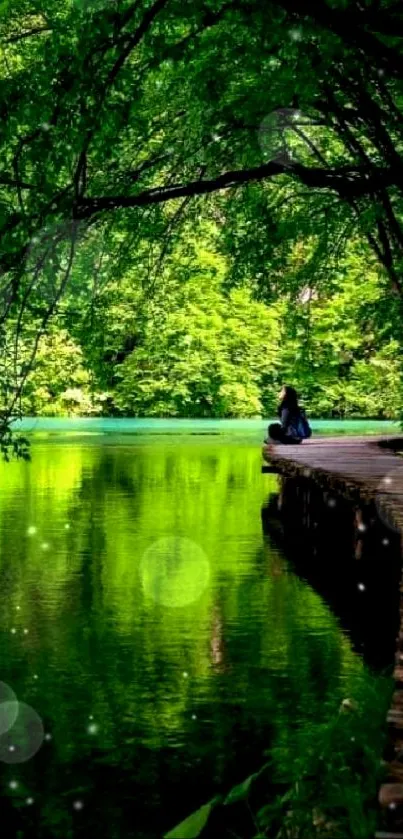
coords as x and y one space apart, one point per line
252 429
164 642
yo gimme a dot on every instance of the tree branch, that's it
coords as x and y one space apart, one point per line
346 181
19 36
7 180
350 27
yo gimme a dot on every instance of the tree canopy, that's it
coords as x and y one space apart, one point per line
273 130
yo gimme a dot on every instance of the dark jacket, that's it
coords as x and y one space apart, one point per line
289 422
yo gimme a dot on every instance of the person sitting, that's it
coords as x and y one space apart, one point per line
293 426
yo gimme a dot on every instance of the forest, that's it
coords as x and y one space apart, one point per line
195 349
200 201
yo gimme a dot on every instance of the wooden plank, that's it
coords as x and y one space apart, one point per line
361 462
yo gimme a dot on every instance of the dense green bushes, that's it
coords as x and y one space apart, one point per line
193 350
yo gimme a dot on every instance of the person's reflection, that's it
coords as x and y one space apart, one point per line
271 518
272 525
217 642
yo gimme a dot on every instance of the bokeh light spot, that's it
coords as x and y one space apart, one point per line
8 708
277 137
25 735
174 571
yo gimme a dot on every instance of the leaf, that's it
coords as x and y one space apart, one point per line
192 827
241 791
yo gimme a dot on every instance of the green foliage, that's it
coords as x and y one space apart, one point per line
327 775
189 346
201 354
193 826
13 445
59 382
342 347
107 108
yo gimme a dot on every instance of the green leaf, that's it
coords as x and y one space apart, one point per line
241 791
192 827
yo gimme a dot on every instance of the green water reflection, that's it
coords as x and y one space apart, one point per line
152 707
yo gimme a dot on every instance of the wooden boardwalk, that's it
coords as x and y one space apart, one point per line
358 467
366 469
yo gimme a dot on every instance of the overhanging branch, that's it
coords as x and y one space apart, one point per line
346 181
